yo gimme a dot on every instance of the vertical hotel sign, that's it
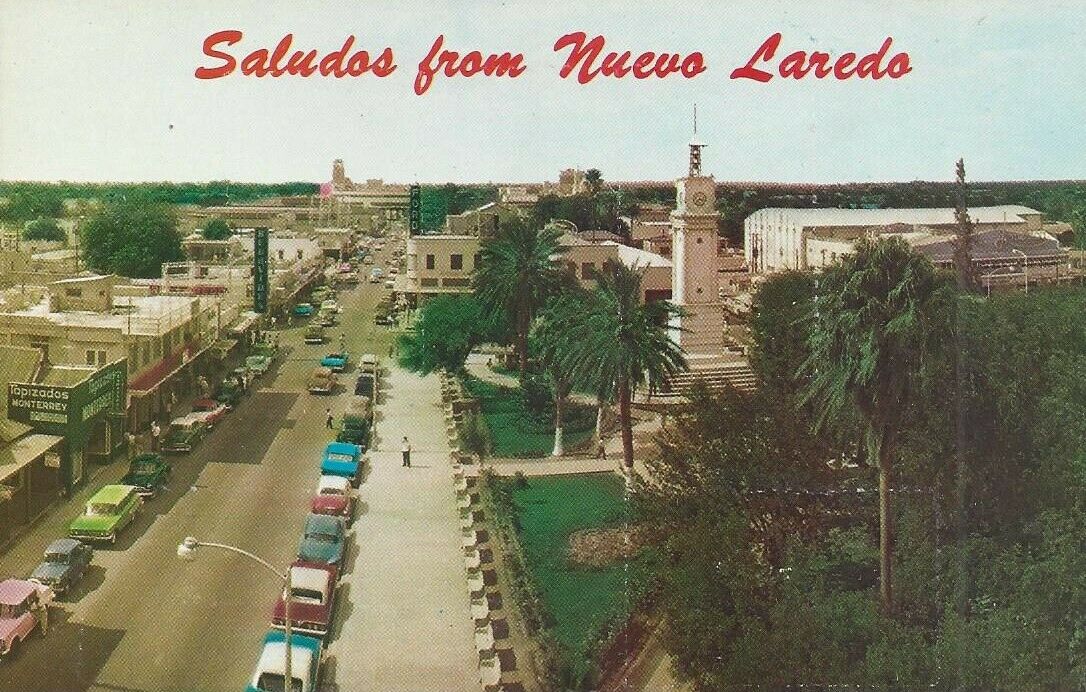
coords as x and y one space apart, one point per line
260 270
414 210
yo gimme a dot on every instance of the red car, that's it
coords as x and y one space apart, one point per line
313 596
210 410
335 497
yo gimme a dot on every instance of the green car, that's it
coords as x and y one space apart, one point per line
110 510
148 472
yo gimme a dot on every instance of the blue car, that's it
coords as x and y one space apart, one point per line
305 661
324 540
336 362
342 459
303 310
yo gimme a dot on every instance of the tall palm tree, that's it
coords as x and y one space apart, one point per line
618 343
553 341
872 328
518 270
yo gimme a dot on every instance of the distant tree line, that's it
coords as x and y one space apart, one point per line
29 200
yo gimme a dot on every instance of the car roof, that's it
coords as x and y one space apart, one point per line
15 591
321 521
368 358
62 545
342 448
112 494
274 656
310 578
337 482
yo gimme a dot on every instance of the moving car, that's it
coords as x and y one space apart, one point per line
210 410
66 561
312 599
305 662
148 472
336 361
327 318
314 334
342 459
22 604
257 364
324 540
321 381
185 432
335 498
108 511
303 310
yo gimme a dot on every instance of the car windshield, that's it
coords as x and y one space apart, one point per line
144 467
307 596
101 509
56 557
340 457
9 611
274 682
331 491
323 537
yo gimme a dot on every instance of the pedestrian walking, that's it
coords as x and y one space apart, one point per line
405 448
342 343
155 432
328 418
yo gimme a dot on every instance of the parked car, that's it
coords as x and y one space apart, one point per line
22 604
66 561
148 472
390 284
327 318
229 393
303 310
312 599
384 319
314 334
335 498
357 419
305 660
368 362
331 304
185 432
266 349
342 459
376 274
337 361
243 376
363 386
324 540
321 381
321 293
108 511
211 410
257 364
368 259
345 268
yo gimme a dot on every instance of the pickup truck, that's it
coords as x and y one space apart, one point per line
306 654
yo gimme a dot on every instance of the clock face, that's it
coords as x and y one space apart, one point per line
699 199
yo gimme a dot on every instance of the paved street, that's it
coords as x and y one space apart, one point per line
145 620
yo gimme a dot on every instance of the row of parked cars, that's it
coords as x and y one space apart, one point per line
313 578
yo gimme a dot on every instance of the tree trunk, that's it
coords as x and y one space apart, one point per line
559 409
601 408
625 423
523 324
886 522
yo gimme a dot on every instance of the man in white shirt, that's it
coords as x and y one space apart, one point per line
406 449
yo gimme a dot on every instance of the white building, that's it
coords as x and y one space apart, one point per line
776 239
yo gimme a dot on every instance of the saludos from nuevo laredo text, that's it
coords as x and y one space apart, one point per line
586 59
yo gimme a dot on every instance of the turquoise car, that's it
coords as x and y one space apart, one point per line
303 310
305 661
336 362
324 540
342 459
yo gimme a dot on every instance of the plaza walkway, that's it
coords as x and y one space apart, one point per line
406 619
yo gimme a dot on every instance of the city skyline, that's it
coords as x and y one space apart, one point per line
90 94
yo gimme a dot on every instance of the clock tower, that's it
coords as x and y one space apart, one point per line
695 282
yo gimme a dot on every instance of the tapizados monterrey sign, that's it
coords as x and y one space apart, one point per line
59 407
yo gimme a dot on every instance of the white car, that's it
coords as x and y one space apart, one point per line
331 306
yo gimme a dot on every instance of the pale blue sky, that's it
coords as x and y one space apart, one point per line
88 90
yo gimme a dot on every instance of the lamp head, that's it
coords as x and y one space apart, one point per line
186 549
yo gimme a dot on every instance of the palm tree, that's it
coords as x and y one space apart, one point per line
872 328
518 270
618 343
594 180
554 344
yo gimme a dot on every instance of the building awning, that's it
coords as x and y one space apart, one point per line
22 452
245 322
164 370
224 346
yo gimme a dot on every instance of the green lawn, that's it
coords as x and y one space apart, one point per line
514 432
580 600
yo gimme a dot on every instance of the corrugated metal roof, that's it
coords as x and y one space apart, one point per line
1009 213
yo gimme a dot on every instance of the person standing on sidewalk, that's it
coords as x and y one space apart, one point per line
328 418
405 448
155 432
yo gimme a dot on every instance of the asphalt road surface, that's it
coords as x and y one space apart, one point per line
144 619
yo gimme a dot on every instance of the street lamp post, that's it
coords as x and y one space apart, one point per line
1025 265
186 550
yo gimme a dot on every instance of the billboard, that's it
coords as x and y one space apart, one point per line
260 270
414 210
65 410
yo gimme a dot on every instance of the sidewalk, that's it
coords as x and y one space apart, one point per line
406 619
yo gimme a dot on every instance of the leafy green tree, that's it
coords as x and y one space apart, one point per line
131 237
780 326
594 179
620 343
518 270
44 229
871 332
31 202
448 327
217 229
